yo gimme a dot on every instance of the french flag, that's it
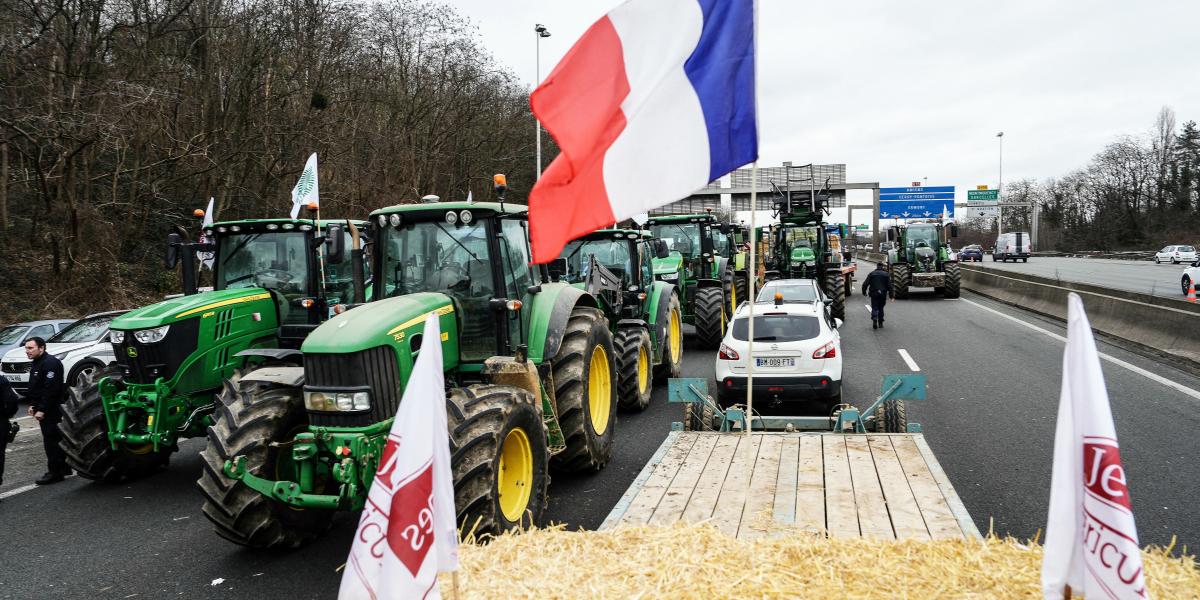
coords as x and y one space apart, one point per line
652 103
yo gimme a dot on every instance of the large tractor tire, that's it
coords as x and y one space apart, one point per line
835 287
849 281
710 317
729 288
499 457
253 418
890 417
672 352
741 288
953 279
698 417
85 437
585 391
900 280
635 379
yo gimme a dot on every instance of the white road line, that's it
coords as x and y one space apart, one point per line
15 491
1112 359
912 364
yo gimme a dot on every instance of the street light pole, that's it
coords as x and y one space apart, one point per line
540 32
1000 190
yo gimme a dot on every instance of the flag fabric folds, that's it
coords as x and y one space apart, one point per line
1091 538
653 102
306 189
208 257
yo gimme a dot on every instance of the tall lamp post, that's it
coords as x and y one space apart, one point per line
1000 190
540 32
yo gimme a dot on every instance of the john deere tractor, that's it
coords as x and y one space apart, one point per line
614 266
801 246
703 275
920 257
530 378
271 287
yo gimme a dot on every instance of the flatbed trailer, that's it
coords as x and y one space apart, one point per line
873 485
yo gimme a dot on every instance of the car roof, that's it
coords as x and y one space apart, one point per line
41 322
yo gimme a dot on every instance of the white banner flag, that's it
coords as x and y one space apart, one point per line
407 533
1091 539
305 191
207 257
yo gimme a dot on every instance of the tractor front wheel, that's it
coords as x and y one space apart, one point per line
836 288
585 391
953 279
85 436
710 317
634 371
900 280
672 351
741 285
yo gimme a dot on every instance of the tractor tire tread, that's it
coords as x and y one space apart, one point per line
628 341
585 450
710 317
85 437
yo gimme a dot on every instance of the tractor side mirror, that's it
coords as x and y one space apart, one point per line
557 269
723 228
335 244
660 249
172 257
953 230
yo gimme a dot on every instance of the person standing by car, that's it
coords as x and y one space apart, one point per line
45 396
877 285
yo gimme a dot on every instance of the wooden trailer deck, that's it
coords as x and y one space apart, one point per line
884 486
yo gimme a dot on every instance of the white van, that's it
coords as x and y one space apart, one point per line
1012 246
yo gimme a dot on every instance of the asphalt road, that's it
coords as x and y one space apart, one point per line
1142 276
993 390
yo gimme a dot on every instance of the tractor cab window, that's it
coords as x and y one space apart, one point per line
339 278
612 253
720 242
919 237
646 278
274 260
683 238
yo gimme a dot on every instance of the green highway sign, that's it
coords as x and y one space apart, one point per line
983 194
860 227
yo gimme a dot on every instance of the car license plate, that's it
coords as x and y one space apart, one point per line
14 378
775 362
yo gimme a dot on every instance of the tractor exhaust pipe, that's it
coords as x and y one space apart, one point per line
356 264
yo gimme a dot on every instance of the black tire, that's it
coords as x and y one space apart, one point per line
953 280
836 290
85 437
741 287
849 285
710 317
480 419
672 362
890 417
589 445
252 416
1025 260
1187 282
698 417
84 369
729 287
634 383
900 280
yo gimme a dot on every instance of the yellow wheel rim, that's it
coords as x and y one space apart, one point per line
514 482
643 369
676 341
599 390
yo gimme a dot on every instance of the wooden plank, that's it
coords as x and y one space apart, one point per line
841 515
965 522
939 519
758 514
622 505
873 519
643 505
708 489
728 514
784 503
670 509
901 505
810 485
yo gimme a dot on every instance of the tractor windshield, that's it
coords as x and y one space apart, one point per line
922 235
612 253
683 238
275 260
798 237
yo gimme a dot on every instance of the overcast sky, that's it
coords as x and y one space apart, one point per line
900 91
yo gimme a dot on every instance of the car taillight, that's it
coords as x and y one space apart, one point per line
826 351
728 353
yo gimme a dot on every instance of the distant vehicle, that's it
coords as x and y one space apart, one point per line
885 246
797 350
1012 246
14 335
1190 274
1176 255
82 347
973 252
793 290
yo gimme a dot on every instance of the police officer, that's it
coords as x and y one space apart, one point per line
45 396
878 286
8 408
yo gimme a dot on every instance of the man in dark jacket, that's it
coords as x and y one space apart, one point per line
45 396
878 286
8 408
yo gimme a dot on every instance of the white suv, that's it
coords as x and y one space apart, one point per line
797 349
1191 275
1176 255
82 347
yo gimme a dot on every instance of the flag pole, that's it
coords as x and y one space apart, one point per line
752 274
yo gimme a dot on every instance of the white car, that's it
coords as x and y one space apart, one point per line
1191 275
82 347
797 348
1176 255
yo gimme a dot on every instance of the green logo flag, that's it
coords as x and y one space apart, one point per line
305 191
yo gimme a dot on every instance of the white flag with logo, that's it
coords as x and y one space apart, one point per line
305 192
1091 539
407 533
207 257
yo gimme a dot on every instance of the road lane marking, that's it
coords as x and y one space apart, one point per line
912 364
15 491
1112 359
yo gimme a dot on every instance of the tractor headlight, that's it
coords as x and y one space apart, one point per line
382 220
394 219
116 337
670 276
150 336
337 401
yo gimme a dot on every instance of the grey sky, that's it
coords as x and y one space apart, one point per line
900 91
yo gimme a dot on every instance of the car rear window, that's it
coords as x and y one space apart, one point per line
12 334
1186 249
791 293
777 328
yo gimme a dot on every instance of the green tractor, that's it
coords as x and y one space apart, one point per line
271 286
920 257
698 265
614 266
529 373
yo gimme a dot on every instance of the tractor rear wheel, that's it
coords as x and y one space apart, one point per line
953 279
253 417
634 372
672 351
499 457
741 286
900 280
891 418
85 436
836 288
710 317
585 391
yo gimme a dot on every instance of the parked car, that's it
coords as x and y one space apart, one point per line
1190 275
1176 255
82 347
973 252
797 349
1012 246
14 335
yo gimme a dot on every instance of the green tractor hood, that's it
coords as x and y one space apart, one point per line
673 263
803 254
186 307
392 322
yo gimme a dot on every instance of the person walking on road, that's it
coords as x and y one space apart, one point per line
8 409
45 396
878 285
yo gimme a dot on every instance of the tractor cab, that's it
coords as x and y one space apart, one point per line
696 239
626 272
